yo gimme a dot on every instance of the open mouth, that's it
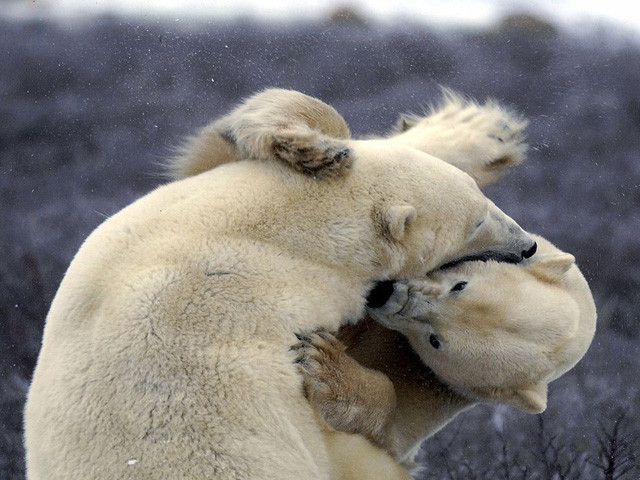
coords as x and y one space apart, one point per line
382 291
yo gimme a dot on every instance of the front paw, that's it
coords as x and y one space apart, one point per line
346 395
483 140
319 359
330 380
312 153
501 139
411 302
491 137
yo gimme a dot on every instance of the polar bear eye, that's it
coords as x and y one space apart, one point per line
480 222
458 287
433 340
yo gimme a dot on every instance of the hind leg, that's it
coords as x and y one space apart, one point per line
311 152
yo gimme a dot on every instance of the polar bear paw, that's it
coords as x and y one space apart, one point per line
339 388
409 303
312 153
321 358
484 141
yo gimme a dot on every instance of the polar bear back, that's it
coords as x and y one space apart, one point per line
165 315
165 353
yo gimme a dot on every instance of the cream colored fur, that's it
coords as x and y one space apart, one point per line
165 352
353 457
275 124
502 336
505 335
484 141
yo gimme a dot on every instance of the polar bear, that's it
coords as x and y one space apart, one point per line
165 352
467 333
474 332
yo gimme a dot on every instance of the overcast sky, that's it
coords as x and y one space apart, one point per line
569 13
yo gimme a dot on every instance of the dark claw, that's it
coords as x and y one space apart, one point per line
341 154
302 338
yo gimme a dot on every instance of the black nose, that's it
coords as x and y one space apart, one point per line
379 294
529 253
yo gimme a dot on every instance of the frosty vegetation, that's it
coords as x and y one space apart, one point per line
87 113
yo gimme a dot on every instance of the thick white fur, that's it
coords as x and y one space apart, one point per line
508 333
503 338
484 141
275 124
165 352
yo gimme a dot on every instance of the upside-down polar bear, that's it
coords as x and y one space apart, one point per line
165 352
475 332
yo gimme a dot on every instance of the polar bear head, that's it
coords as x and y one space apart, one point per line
413 211
495 331
430 210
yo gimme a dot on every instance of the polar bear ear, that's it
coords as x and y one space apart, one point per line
551 267
531 398
396 219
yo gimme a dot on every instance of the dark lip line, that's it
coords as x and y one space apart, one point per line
483 257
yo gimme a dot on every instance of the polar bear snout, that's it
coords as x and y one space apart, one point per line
520 243
380 294
388 298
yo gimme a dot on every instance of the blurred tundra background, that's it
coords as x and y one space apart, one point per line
94 95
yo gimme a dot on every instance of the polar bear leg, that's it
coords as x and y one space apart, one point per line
281 125
339 388
484 141
311 152
300 130
354 458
